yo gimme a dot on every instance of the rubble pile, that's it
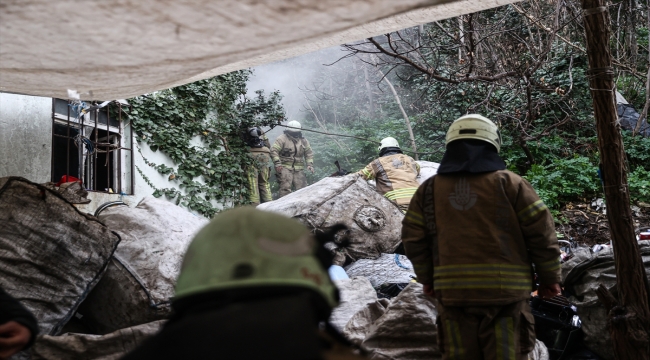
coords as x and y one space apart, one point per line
581 276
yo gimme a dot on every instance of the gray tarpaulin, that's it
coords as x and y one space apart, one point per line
581 276
140 279
114 49
375 222
355 293
51 254
427 170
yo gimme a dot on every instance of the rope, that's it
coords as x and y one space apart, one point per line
361 138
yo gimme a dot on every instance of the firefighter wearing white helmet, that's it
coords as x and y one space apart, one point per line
291 153
394 173
252 285
473 233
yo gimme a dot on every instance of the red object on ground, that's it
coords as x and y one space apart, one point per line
68 178
644 236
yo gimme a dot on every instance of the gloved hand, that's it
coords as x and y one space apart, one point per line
278 169
427 289
310 168
547 291
13 338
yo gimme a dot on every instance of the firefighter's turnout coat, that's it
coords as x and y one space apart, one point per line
292 152
395 175
475 236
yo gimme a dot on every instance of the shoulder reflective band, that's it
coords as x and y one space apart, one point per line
531 210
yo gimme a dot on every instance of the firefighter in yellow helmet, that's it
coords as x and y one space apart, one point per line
259 190
394 172
291 153
252 285
473 233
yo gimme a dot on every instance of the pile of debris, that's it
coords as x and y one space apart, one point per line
104 283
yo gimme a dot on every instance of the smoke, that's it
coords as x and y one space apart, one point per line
291 77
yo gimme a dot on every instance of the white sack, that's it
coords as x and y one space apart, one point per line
113 346
139 283
51 254
387 269
375 222
355 293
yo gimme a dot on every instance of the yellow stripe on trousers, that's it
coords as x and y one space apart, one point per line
454 342
505 338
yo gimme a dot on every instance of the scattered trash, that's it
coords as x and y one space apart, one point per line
51 254
581 276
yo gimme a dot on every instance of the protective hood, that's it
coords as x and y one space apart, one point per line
387 151
472 156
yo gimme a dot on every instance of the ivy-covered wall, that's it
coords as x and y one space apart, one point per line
198 128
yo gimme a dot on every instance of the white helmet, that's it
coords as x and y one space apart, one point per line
388 142
474 126
293 126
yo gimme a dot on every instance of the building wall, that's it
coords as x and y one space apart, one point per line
25 136
26 151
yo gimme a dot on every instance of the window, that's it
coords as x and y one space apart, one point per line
92 143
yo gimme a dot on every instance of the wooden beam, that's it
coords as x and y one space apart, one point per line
629 319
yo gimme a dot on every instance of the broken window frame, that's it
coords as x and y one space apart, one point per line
117 143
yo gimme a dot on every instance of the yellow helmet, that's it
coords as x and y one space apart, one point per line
474 126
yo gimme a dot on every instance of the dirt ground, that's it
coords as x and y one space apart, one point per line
586 224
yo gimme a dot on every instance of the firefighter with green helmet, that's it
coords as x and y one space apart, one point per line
252 285
291 154
473 233
394 172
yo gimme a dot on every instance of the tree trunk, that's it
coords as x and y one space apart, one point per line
406 117
629 321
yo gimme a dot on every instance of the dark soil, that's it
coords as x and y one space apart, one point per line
585 225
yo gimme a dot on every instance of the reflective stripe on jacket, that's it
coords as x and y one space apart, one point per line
396 176
291 152
475 237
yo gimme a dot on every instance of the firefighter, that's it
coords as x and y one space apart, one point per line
259 172
252 285
291 153
395 173
473 232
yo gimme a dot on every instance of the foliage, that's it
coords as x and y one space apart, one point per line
211 112
639 184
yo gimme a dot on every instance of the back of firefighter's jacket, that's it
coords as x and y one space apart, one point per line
292 152
475 237
396 176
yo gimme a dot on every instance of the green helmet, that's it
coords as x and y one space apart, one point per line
474 126
245 247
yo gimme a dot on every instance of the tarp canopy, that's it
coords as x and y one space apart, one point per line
114 49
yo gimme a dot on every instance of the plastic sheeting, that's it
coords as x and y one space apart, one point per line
374 222
581 276
72 346
387 269
405 329
117 49
427 170
140 279
355 293
51 254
